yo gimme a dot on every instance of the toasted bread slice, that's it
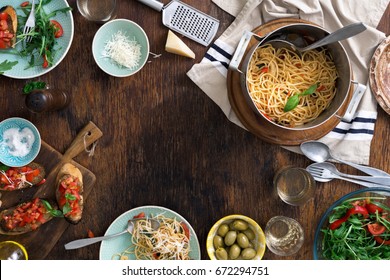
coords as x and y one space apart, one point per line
25 217
12 23
17 178
69 192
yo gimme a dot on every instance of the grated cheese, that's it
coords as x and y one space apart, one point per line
123 51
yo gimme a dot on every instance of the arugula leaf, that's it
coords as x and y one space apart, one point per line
7 65
69 196
293 101
51 210
4 167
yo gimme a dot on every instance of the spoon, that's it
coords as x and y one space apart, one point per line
327 170
340 34
88 241
320 152
320 178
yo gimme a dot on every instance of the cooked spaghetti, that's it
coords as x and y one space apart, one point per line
275 75
169 242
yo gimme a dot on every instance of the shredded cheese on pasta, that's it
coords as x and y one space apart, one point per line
168 242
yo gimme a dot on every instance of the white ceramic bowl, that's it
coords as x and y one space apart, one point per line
132 31
20 142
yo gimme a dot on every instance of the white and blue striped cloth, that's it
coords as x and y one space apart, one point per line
348 140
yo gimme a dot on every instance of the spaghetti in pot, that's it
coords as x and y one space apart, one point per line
275 75
169 242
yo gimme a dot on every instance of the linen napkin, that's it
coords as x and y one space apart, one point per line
348 140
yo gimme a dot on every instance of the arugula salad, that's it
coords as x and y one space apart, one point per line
41 51
359 229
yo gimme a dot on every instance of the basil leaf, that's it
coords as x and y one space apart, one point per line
66 209
291 103
51 210
69 196
310 90
29 87
4 167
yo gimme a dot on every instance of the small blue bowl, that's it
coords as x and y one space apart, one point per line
105 33
20 142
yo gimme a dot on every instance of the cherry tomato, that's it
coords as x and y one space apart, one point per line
376 229
58 29
139 216
45 62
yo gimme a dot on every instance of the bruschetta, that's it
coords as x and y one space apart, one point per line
27 216
8 27
69 193
16 178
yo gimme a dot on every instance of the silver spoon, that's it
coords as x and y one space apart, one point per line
327 169
155 224
320 152
321 178
340 34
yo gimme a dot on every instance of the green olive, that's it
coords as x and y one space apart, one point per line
248 253
240 225
242 240
234 251
230 238
250 234
218 242
221 254
222 230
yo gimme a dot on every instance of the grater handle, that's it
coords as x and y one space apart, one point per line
154 4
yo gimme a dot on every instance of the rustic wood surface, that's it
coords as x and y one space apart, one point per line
166 143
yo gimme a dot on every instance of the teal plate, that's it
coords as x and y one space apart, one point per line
110 247
5 153
62 47
105 33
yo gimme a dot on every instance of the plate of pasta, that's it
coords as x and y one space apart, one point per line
175 239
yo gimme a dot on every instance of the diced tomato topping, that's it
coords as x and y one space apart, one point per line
29 213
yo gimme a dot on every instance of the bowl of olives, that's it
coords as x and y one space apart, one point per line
236 237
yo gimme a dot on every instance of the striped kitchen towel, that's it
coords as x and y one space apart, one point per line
349 140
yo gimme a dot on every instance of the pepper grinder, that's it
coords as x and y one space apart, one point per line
47 100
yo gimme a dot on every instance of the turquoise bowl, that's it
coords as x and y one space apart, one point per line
20 142
105 33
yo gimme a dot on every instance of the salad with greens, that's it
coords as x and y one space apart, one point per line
358 229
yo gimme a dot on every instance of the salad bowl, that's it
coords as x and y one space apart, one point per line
355 227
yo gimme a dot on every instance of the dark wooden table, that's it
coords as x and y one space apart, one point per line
166 143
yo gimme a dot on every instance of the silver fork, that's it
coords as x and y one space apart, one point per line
30 23
323 175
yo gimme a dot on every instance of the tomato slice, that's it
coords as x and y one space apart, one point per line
58 29
380 240
372 208
376 228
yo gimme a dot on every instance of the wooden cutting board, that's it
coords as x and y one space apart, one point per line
40 242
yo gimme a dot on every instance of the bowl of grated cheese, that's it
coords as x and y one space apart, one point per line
120 48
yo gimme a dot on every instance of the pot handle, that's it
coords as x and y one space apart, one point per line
353 104
241 48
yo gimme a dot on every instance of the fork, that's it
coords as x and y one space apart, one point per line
30 23
326 176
